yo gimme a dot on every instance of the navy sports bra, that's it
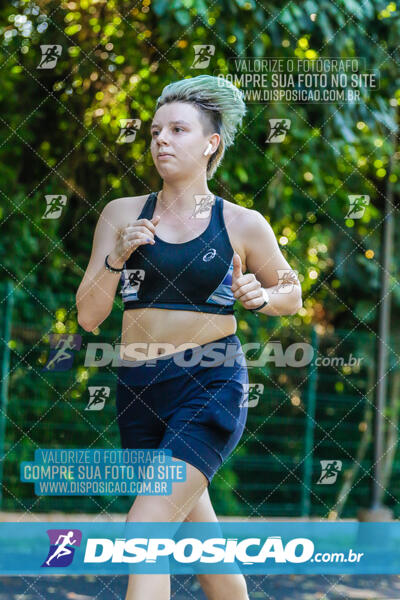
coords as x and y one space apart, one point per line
194 275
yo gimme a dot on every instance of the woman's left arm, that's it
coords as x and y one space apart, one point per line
269 276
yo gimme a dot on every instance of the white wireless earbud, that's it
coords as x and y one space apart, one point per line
207 150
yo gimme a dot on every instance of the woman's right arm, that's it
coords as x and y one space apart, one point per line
95 295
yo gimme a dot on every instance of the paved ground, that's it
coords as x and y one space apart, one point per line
186 587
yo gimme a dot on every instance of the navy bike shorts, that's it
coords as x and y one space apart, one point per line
193 402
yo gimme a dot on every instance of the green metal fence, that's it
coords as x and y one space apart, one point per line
304 415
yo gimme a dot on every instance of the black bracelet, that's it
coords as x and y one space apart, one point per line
258 308
110 268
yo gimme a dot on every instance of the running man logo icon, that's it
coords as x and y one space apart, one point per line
131 280
129 128
279 129
54 207
252 393
63 346
287 278
203 206
50 55
59 554
330 470
357 206
203 54
98 396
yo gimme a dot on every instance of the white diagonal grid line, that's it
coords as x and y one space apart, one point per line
346 232
267 419
341 375
319 426
70 257
89 131
50 93
298 464
96 138
373 332
332 219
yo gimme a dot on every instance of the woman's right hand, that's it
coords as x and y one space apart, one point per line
131 237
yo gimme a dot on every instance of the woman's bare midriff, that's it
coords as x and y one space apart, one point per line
153 327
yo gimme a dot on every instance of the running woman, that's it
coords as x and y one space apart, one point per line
183 256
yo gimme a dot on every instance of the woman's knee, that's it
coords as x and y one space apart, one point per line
173 507
224 586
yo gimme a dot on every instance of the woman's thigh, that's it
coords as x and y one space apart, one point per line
205 429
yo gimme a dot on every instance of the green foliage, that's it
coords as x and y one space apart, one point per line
115 61
60 128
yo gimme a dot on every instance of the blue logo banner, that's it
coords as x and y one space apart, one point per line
252 548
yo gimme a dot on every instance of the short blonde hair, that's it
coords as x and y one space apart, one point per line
220 104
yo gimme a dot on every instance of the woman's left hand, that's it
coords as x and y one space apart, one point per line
246 288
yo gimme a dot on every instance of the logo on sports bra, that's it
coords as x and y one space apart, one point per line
210 255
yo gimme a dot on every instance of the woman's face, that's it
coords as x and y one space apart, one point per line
176 130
